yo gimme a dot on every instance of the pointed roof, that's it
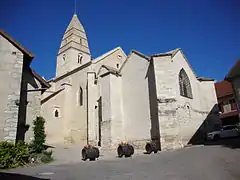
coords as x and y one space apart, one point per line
75 23
74 37
103 56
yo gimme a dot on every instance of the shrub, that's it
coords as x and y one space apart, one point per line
39 135
13 155
47 157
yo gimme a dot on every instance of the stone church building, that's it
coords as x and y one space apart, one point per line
118 97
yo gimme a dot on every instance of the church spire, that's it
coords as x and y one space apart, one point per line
75 36
74 50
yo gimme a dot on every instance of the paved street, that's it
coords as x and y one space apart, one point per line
204 162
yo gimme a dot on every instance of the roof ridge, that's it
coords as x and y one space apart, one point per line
99 58
171 53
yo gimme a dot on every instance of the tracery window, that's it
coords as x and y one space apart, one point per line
184 84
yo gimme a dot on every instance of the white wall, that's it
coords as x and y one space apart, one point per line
74 116
71 61
136 99
116 102
106 111
111 60
180 117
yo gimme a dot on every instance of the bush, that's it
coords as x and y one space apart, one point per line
47 157
13 155
39 135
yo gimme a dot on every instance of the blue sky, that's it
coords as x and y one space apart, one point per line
208 31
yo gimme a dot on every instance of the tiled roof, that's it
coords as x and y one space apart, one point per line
234 71
223 88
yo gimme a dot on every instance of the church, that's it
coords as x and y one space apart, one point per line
117 97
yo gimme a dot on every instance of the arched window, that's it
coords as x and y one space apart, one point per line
184 85
80 56
56 113
64 57
80 96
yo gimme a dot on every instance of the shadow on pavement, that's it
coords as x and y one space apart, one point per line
212 123
10 176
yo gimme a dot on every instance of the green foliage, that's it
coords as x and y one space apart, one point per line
39 135
13 155
47 157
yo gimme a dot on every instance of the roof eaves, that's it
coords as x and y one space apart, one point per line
110 70
70 72
171 53
205 79
101 57
232 71
40 79
141 55
51 95
18 45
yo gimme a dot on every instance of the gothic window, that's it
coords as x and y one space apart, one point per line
56 113
80 56
80 96
184 84
64 57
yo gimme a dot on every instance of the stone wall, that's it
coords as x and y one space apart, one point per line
33 103
11 72
180 118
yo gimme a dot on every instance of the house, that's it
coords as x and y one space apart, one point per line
233 76
227 103
20 90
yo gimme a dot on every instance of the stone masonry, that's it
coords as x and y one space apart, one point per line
13 96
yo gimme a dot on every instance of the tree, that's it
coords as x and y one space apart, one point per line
39 135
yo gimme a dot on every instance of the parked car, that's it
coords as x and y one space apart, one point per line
225 132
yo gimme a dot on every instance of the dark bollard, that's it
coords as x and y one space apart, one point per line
90 152
151 147
126 150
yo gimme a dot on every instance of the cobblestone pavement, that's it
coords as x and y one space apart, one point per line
193 163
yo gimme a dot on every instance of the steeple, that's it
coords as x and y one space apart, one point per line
74 50
75 36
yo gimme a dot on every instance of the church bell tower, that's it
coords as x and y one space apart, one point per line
74 50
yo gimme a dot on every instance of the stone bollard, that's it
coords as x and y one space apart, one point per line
90 152
125 149
151 147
